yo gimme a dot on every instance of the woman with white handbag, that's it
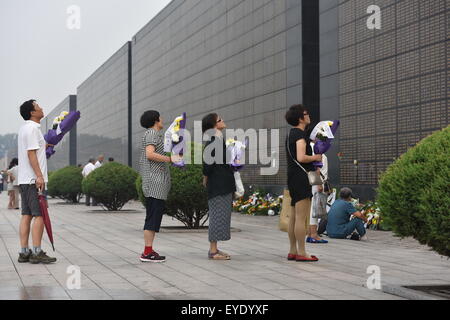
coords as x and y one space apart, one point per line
219 181
301 176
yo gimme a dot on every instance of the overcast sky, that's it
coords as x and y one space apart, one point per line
41 58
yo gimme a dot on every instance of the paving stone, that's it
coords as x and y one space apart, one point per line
89 294
38 292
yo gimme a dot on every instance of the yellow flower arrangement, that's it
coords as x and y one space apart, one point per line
229 142
59 119
258 204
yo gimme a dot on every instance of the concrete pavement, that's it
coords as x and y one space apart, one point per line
106 248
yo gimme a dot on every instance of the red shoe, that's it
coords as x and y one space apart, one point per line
305 259
291 257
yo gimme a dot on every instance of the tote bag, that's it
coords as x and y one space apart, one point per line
286 210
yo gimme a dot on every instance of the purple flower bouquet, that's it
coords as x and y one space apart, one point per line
174 141
236 149
61 125
323 135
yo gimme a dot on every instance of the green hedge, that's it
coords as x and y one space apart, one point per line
66 184
414 193
112 185
187 201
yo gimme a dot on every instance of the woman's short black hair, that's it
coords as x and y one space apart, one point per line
14 162
209 122
26 108
295 113
149 118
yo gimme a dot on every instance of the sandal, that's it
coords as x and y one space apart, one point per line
305 259
312 240
217 256
291 257
223 253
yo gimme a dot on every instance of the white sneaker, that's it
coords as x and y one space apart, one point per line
364 238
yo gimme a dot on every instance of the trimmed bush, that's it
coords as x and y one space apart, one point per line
187 201
66 184
112 185
414 193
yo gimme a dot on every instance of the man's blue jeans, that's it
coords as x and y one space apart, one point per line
350 227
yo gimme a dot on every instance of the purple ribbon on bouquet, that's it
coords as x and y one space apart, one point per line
53 138
322 146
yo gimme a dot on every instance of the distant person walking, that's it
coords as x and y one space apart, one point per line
1 181
156 181
219 181
32 178
88 168
13 186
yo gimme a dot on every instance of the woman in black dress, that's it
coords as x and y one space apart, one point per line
298 146
219 181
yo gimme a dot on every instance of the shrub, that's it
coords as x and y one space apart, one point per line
112 185
414 193
66 184
187 201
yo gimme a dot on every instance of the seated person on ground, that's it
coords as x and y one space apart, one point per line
339 225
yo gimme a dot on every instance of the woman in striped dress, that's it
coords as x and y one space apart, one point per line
156 182
219 181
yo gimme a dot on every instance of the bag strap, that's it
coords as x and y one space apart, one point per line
295 160
289 151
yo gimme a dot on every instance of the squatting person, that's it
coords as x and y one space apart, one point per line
339 225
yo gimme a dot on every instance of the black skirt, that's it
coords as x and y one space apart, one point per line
298 185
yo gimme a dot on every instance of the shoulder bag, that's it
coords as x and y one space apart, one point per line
314 178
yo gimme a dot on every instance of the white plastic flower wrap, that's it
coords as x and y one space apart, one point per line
323 134
235 149
322 131
174 138
171 136
240 191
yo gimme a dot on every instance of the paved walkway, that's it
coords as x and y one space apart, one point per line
106 247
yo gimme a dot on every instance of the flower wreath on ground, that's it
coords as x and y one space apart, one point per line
259 204
373 214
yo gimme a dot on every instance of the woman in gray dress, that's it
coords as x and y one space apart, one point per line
219 181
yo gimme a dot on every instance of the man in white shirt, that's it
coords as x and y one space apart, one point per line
86 171
32 177
99 162
88 168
